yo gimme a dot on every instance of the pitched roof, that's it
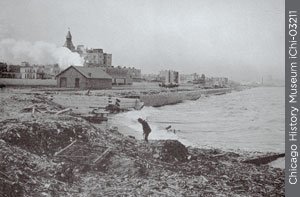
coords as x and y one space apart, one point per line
90 73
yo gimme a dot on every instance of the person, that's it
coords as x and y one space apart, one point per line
146 128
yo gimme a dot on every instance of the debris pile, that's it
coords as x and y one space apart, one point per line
45 134
24 174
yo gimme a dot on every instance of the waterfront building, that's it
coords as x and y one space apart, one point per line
84 78
120 76
135 74
3 69
9 71
94 57
151 77
107 59
169 76
14 71
28 72
189 78
217 81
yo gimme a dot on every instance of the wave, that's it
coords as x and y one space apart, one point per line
235 120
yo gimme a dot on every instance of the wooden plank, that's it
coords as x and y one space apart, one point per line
63 111
65 148
264 159
101 157
70 156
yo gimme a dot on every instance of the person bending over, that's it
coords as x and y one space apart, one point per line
146 128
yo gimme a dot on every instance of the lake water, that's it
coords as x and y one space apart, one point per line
251 120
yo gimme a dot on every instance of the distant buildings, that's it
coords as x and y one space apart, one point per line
217 81
96 58
151 77
189 78
27 71
92 57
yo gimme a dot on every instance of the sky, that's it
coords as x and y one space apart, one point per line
240 39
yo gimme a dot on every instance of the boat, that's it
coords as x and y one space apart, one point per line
96 117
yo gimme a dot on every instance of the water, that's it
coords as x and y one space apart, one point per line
251 120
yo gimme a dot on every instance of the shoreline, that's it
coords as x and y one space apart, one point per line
253 154
32 136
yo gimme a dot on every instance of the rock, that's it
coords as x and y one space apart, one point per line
173 150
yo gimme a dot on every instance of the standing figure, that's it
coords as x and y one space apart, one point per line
146 128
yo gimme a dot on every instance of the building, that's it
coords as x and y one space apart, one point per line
84 78
189 78
3 70
48 71
151 77
169 77
92 57
119 75
107 59
217 81
13 71
28 72
134 74
96 58
68 43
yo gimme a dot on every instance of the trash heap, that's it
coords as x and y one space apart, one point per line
45 134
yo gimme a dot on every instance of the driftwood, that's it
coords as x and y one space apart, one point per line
63 111
62 150
101 157
265 159
83 153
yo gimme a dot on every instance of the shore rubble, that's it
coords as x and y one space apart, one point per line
32 134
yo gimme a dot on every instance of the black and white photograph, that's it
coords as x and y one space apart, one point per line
145 98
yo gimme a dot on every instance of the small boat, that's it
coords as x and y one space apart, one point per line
220 93
125 105
96 117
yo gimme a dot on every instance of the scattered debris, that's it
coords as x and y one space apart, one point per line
43 154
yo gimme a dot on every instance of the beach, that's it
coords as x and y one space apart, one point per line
38 136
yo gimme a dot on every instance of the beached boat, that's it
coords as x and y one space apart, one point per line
95 117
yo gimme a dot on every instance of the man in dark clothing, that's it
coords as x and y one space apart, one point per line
146 128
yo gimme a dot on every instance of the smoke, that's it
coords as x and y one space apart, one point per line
14 52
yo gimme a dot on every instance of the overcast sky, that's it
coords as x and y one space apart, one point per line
241 39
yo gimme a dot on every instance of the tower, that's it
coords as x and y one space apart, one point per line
68 42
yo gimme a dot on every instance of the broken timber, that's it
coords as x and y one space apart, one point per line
63 111
264 159
83 153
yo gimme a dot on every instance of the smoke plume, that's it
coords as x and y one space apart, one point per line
14 52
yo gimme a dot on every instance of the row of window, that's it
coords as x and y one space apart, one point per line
29 76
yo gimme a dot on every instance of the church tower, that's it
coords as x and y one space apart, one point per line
68 42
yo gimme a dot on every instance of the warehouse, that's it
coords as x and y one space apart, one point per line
84 78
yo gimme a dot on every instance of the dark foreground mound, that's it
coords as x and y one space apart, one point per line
45 134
